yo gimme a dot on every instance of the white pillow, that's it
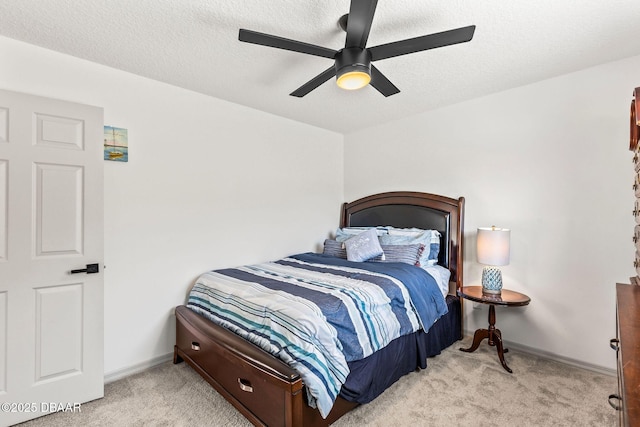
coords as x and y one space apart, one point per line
364 246
342 234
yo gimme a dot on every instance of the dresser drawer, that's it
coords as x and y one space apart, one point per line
628 331
254 389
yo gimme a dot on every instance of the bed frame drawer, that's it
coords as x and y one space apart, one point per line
261 389
242 381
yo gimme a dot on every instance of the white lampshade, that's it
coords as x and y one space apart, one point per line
493 245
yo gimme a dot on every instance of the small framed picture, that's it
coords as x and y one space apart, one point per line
116 144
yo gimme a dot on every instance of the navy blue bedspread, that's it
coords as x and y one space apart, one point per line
371 376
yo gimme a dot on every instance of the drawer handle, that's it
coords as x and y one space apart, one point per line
613 343
245 385
617 407
195 346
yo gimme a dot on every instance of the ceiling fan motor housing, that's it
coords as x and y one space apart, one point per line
352 59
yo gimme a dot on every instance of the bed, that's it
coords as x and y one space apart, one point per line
268 391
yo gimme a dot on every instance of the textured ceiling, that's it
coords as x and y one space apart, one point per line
194 44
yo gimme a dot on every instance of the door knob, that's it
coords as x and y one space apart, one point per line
91 268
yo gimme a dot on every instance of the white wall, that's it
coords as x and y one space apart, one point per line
208 184
551 162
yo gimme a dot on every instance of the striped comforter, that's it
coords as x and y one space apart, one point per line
317 312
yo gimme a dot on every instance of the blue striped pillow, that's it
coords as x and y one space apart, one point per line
334 248
408 254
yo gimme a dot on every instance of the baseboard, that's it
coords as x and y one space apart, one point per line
552 356
137 368
143 366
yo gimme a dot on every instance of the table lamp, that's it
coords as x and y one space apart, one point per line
493 251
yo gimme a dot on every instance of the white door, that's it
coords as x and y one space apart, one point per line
51 222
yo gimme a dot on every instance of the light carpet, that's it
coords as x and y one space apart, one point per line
456 389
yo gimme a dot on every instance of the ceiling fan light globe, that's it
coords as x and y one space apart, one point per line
353 80
353 68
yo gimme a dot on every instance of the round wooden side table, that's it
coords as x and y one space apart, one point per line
505 298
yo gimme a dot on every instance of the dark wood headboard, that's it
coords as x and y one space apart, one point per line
404 209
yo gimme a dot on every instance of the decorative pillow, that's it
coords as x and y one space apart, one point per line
406 236
334 248
363 246
408 254
346 233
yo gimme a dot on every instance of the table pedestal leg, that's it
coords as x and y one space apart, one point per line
495 338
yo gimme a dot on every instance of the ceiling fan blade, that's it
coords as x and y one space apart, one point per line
286 44
314 82
359 22
431 41
381 83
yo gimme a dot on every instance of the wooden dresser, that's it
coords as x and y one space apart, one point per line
627 341
627 344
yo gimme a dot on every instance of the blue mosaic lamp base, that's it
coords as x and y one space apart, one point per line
491 280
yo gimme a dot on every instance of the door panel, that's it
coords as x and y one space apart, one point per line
58 209
61 132
4 124
3 343
4 206
58 331
51 222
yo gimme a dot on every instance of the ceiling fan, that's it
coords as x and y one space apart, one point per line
353 68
